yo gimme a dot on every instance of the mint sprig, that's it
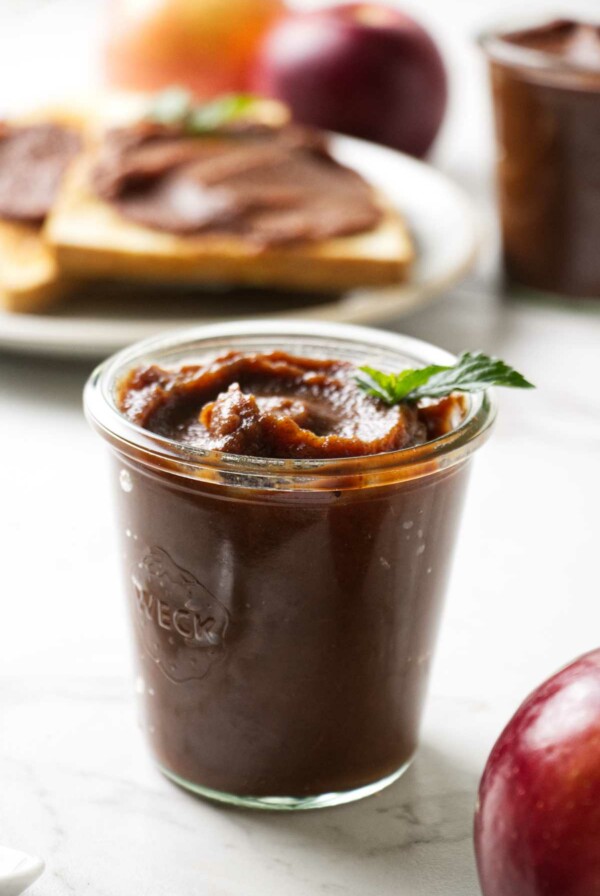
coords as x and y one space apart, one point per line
473 372
177 106
170 106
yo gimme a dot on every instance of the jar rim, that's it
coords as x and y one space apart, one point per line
493 40
158 451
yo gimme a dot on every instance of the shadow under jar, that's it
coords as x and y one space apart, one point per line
546 91
285 611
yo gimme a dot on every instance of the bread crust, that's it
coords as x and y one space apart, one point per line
29 279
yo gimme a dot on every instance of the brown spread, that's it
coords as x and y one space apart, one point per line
33 160
268 185
278 405
576 43
283 636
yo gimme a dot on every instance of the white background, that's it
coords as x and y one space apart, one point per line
76 783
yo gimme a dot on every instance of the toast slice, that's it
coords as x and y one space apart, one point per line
90 237
29 278
29 275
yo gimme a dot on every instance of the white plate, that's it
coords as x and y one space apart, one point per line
107 318
18 870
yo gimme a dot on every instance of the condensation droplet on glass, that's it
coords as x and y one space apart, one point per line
408 524
140 685
420 549
125 481
128 533
429 568
420 533
151 692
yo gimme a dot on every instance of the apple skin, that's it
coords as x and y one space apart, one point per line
207 46
537 824
363 69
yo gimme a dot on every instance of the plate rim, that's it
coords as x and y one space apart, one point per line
80 337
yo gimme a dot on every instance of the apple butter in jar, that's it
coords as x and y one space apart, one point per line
287 540
546 90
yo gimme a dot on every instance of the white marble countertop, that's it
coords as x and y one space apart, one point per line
77 785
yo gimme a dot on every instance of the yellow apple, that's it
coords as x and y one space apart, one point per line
205 45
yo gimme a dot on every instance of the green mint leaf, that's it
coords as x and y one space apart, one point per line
176 106
473 372
170 107
393 387
219 112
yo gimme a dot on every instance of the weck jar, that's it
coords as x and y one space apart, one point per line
284 611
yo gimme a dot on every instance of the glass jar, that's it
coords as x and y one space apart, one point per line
546 94
284 612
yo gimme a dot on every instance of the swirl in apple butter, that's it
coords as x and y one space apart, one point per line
278 405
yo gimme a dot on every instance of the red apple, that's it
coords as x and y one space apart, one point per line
205 45
537 825
363 69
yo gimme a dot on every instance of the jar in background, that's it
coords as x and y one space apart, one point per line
546 92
